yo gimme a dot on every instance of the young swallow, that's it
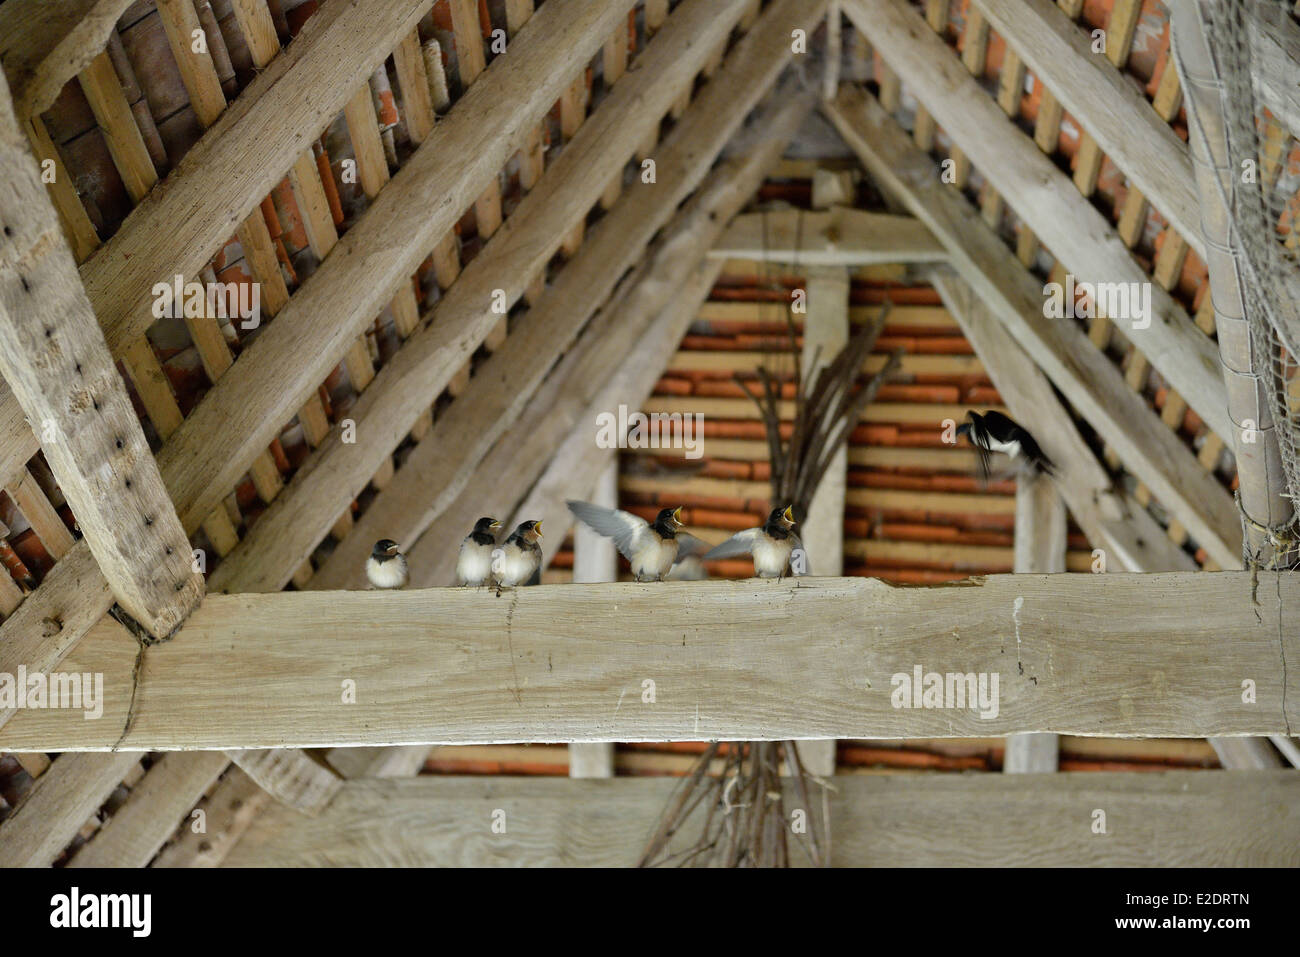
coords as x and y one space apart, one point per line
520 558
994 432
386 566
651 547
474 564
773 545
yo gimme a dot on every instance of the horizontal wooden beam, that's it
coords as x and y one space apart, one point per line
1109 654
62 374
1171 818
1092 383
1042 195
840 236
1106 103
45 43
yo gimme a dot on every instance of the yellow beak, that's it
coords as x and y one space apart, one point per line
495 525
538 528
789 514
677 515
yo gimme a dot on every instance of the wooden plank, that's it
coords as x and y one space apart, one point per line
1066 222
1275 45
40 514
198 73
103 90
228 811
453 666
839 236
595 559
59 803
45 43
291 776
1171 818
164 796
1107 104
60 370
240 414
1088 379
239 159
465 315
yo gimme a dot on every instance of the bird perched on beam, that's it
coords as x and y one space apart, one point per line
773 545
474 563
994 432
651 547
386 566
519 561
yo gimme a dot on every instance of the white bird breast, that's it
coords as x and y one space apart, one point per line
389 574
475 563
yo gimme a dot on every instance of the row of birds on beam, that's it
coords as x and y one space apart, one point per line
654 548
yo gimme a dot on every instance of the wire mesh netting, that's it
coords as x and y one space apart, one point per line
1264 208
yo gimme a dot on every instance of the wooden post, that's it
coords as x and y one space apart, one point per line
595 559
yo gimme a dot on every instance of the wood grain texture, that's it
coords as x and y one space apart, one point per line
242 412
469 427
1066 222
1172 818
840 236
1116 654
1106 103
61 373
1089 380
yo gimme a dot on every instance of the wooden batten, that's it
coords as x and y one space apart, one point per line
841 236
1116 654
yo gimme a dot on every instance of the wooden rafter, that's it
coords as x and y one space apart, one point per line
1077 367
1062 218
542 664
934 820
60 370
840 236
1276 48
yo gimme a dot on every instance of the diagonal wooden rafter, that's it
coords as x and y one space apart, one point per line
1063 219
45 43
463 435
1084 375
1117 654
59 368
1276 51
1106 103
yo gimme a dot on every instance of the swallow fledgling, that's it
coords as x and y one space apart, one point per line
519 561
994 432
474 563
651 547
773 546
386 566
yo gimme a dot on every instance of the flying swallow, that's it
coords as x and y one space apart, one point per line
651 547
474 564
519 561
994 432
386 566
773 545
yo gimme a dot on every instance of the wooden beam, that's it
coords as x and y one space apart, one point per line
469 427
59 803
1170 818
1276 67
227 813
291 776
839 236
60 370
1062 218
1089 380
245 409
1109 106
818 656
45 43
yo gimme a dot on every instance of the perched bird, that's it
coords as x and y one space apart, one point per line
519 562
386 566
474 564
773 546
651 547
994 432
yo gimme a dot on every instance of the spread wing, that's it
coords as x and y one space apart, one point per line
742 543
623 527
688 544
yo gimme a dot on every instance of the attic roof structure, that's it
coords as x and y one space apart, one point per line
284 278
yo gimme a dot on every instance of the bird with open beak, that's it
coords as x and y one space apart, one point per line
474 563
386 566
651 547
519 561
994 432
772 545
